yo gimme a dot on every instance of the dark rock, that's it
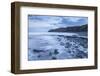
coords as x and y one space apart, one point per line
81 54
61 43
82 28
50 53
39 56
56 52
54 58
68 45
37 51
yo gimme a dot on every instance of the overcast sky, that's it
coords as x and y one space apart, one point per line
41 23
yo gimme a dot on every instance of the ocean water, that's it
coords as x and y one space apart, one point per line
52 46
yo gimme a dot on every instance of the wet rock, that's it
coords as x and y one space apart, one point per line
54 58
81 54
56 51
37 51
39 56
62 43
50 53
68 45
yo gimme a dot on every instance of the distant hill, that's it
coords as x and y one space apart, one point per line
82 28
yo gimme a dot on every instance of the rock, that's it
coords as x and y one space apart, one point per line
54 58
37 51
56 52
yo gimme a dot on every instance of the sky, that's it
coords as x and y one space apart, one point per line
40 23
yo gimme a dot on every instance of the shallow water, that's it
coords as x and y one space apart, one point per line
57 46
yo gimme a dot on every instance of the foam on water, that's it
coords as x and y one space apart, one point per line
44 46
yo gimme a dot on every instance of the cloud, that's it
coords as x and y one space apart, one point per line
50 22
74 19
44 21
